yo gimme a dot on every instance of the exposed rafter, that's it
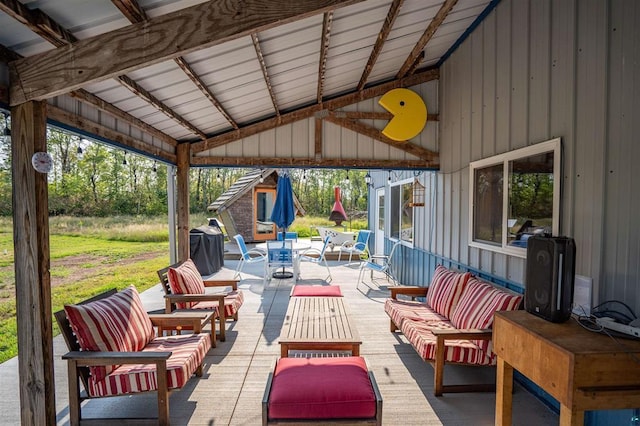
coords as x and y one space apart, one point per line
140 45
265 72
38 22
432 158
373 115
55 34
324 48
426 36
416 63
91 99
131 9
74 120
306 112
394 10
144 94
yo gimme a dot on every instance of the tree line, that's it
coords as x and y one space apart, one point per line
94 179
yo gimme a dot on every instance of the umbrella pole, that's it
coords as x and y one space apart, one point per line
284 273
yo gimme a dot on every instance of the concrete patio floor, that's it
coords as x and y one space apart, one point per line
235 372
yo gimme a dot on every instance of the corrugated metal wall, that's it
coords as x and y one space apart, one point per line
535 70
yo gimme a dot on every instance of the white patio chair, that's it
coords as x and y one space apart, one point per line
382 264
318 257
280 255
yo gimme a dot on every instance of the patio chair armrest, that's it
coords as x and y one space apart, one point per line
259 252
222 283
464 334
311 251
412 291
171 321
89 358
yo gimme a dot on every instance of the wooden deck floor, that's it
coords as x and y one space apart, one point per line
231 389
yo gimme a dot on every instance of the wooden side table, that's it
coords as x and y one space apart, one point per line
581 369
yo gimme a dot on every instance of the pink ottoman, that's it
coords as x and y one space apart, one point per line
319 389
316 290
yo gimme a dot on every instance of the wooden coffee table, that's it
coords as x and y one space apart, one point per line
318 323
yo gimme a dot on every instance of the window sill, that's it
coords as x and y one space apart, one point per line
509 251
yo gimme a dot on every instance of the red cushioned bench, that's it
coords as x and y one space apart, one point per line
316 290
310 390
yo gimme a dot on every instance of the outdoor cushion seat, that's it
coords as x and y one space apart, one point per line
187 354
399 310
316 290
322 389
421 336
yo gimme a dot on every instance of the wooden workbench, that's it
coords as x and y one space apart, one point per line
318 323
583 370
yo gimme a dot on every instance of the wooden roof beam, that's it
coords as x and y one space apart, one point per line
74 120
309 111
304 162
432 158
144 94
324 49
38 22
265 72
143 44
426 36
131 9
394 10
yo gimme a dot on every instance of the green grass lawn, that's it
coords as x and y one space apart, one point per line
85 262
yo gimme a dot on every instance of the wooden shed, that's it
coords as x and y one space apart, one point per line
245 208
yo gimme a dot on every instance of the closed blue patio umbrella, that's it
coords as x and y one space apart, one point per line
284 212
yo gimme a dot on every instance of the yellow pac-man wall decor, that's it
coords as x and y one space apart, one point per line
409 114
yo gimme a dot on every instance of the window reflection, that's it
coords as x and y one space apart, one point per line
487 224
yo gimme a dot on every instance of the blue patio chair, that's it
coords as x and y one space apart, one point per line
359 247
382 264
287 236
313 255
248 256
280 255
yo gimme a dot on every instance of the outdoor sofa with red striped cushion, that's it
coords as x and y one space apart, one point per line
119 323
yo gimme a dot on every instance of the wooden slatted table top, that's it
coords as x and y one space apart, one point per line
319 323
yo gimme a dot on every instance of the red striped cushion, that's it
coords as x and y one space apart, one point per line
185 279
424 342
116 323
445 290
187 353
232 304
399 310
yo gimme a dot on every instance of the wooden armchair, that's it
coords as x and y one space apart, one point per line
192 296
98 367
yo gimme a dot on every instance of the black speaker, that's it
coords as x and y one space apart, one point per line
550 276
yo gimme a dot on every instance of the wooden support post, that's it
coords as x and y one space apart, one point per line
183 152
32 261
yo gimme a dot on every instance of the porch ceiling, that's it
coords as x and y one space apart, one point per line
151 74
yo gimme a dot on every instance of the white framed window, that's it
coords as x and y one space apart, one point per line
513 196
401 211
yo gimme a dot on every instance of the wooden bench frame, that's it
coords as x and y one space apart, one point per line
171 299
78 363
441 337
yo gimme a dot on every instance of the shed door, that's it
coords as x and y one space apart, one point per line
263 228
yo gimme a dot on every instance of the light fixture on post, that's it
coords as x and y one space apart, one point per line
124 158
389 178
367 178
261 176
155 166
218 176
346 180
304 175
